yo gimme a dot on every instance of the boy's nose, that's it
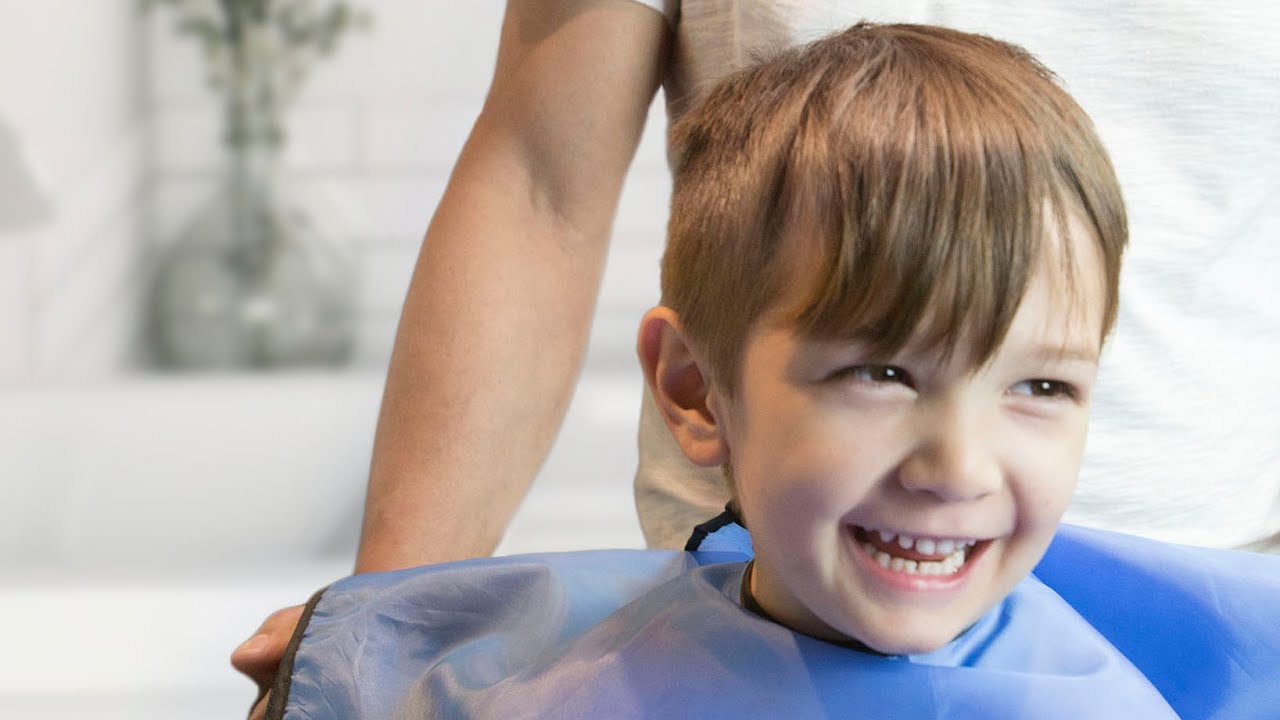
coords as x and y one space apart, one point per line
953 459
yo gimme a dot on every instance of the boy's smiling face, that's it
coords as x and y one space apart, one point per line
839 461
890 501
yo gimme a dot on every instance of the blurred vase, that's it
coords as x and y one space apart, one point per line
253 281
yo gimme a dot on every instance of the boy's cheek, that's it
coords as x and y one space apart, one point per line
1052 497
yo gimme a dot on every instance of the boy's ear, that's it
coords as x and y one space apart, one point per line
681 388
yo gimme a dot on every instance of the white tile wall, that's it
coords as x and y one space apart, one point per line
86 321
126 153
69 101
15 310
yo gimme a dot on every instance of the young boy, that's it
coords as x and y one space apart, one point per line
893 259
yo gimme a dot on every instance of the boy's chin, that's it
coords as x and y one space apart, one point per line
911 646
920 640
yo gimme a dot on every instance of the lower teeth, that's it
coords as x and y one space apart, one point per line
949 565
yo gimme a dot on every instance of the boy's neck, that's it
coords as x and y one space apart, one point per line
749 602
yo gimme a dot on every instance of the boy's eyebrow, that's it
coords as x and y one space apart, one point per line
1059 353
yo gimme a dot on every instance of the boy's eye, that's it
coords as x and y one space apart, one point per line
1042 388
874 374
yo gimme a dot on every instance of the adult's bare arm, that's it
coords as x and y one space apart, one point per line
496 320
495 324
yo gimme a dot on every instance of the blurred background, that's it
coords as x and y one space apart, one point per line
204 245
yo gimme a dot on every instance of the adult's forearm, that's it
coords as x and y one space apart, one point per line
486 356
496 321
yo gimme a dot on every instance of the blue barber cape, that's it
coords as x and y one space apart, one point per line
1108 626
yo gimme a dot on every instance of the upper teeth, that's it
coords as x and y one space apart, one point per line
950 553
926 546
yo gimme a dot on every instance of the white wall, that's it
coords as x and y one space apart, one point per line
135 505
71 164
141 503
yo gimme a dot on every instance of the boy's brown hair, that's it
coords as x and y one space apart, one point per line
893 172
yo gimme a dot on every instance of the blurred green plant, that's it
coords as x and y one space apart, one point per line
258 53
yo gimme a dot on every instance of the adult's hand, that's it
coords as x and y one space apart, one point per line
259 657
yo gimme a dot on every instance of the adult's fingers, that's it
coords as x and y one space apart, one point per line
260 655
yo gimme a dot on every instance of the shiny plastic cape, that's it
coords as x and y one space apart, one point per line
1108 626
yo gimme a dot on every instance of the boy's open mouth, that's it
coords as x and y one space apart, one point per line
916 555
